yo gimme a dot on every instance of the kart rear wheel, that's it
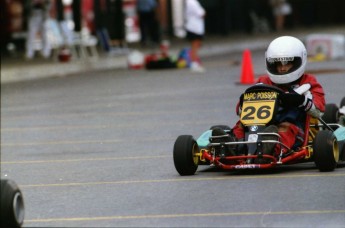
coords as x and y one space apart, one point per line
331 114
185 155
12 204
326 151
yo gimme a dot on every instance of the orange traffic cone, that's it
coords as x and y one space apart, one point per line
247 74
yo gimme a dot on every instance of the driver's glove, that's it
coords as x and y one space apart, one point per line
293 99
308 101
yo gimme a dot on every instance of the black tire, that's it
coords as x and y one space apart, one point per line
342 102
326 151
12 204
331 114
185 159
223 127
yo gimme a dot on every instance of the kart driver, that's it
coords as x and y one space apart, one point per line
286 59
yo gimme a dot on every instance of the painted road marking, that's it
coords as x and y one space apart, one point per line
182 179
86 159
110 114
164 216
67 142
102 126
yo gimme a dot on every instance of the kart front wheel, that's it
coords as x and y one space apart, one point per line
326 151
185 155
12 204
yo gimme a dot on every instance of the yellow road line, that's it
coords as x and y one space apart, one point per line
181 179
163 216
91 114
90 126
60 142
60 127
105 141
85 159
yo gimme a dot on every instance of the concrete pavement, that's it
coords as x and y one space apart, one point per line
18 69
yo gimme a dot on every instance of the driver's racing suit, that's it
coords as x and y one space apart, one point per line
291 121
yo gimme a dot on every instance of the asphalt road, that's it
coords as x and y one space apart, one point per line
95 150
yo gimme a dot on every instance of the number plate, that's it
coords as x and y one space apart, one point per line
253 137
258 108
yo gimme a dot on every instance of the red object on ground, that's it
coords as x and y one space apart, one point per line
247 74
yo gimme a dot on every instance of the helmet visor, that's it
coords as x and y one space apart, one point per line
289 64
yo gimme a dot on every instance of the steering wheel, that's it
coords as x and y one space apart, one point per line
264 87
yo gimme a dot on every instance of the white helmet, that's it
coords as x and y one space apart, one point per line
286 49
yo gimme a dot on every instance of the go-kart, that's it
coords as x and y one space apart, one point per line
323 142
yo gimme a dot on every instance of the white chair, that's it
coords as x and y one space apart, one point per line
85 44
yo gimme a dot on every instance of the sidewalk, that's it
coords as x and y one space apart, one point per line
18 69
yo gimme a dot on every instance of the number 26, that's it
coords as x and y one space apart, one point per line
262 112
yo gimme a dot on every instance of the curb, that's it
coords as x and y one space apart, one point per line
26 73
211 47
56 69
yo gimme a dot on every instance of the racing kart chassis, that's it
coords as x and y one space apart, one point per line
248 161
260 103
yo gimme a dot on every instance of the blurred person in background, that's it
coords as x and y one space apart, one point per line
109 24
66 32
38 13
116 21
195 27
281 8
100 20
149 28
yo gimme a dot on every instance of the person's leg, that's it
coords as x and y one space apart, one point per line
194 55
268 148
290 134
194 52
153 27
238 130
195 44
46 46
33 27
143 27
